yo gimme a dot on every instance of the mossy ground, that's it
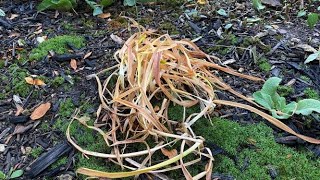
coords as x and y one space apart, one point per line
18 86
311 93
57 44
251 151
285 90
264 64
255 149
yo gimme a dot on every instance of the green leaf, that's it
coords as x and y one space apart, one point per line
313 19
312 57
263 99
302 13
279 102
64 5
129 2
2 175
257 5
290 108
279 116
97 11
307 106
228 26
16 174
2 13
271 85
105 3
97 8
222 12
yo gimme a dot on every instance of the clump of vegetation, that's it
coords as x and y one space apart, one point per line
311 93
61 161
66 109
269 98
264 65
285 90
19 85
36 152
57 81
256 150
57 44
158 67
12 174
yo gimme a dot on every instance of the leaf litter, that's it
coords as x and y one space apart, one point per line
153 67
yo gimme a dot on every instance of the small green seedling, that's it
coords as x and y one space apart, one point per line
12 174
272 101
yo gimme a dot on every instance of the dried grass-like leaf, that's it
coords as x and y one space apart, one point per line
156 67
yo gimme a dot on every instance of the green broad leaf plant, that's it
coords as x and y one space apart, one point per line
277 105
11 175
67 5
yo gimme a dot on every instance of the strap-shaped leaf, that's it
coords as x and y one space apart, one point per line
307 106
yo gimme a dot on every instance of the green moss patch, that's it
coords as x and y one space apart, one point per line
264 65
256 152
19 85
311 93
57 44
285 90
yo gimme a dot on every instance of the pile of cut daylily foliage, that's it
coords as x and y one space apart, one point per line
155 68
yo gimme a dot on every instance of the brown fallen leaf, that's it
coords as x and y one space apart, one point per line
104 15
40 111
169 153
32 81
39 82
73 64
29 80
87 55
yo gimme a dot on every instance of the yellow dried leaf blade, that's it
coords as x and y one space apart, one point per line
40 111
95 173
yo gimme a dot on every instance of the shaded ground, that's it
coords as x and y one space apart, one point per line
264 48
